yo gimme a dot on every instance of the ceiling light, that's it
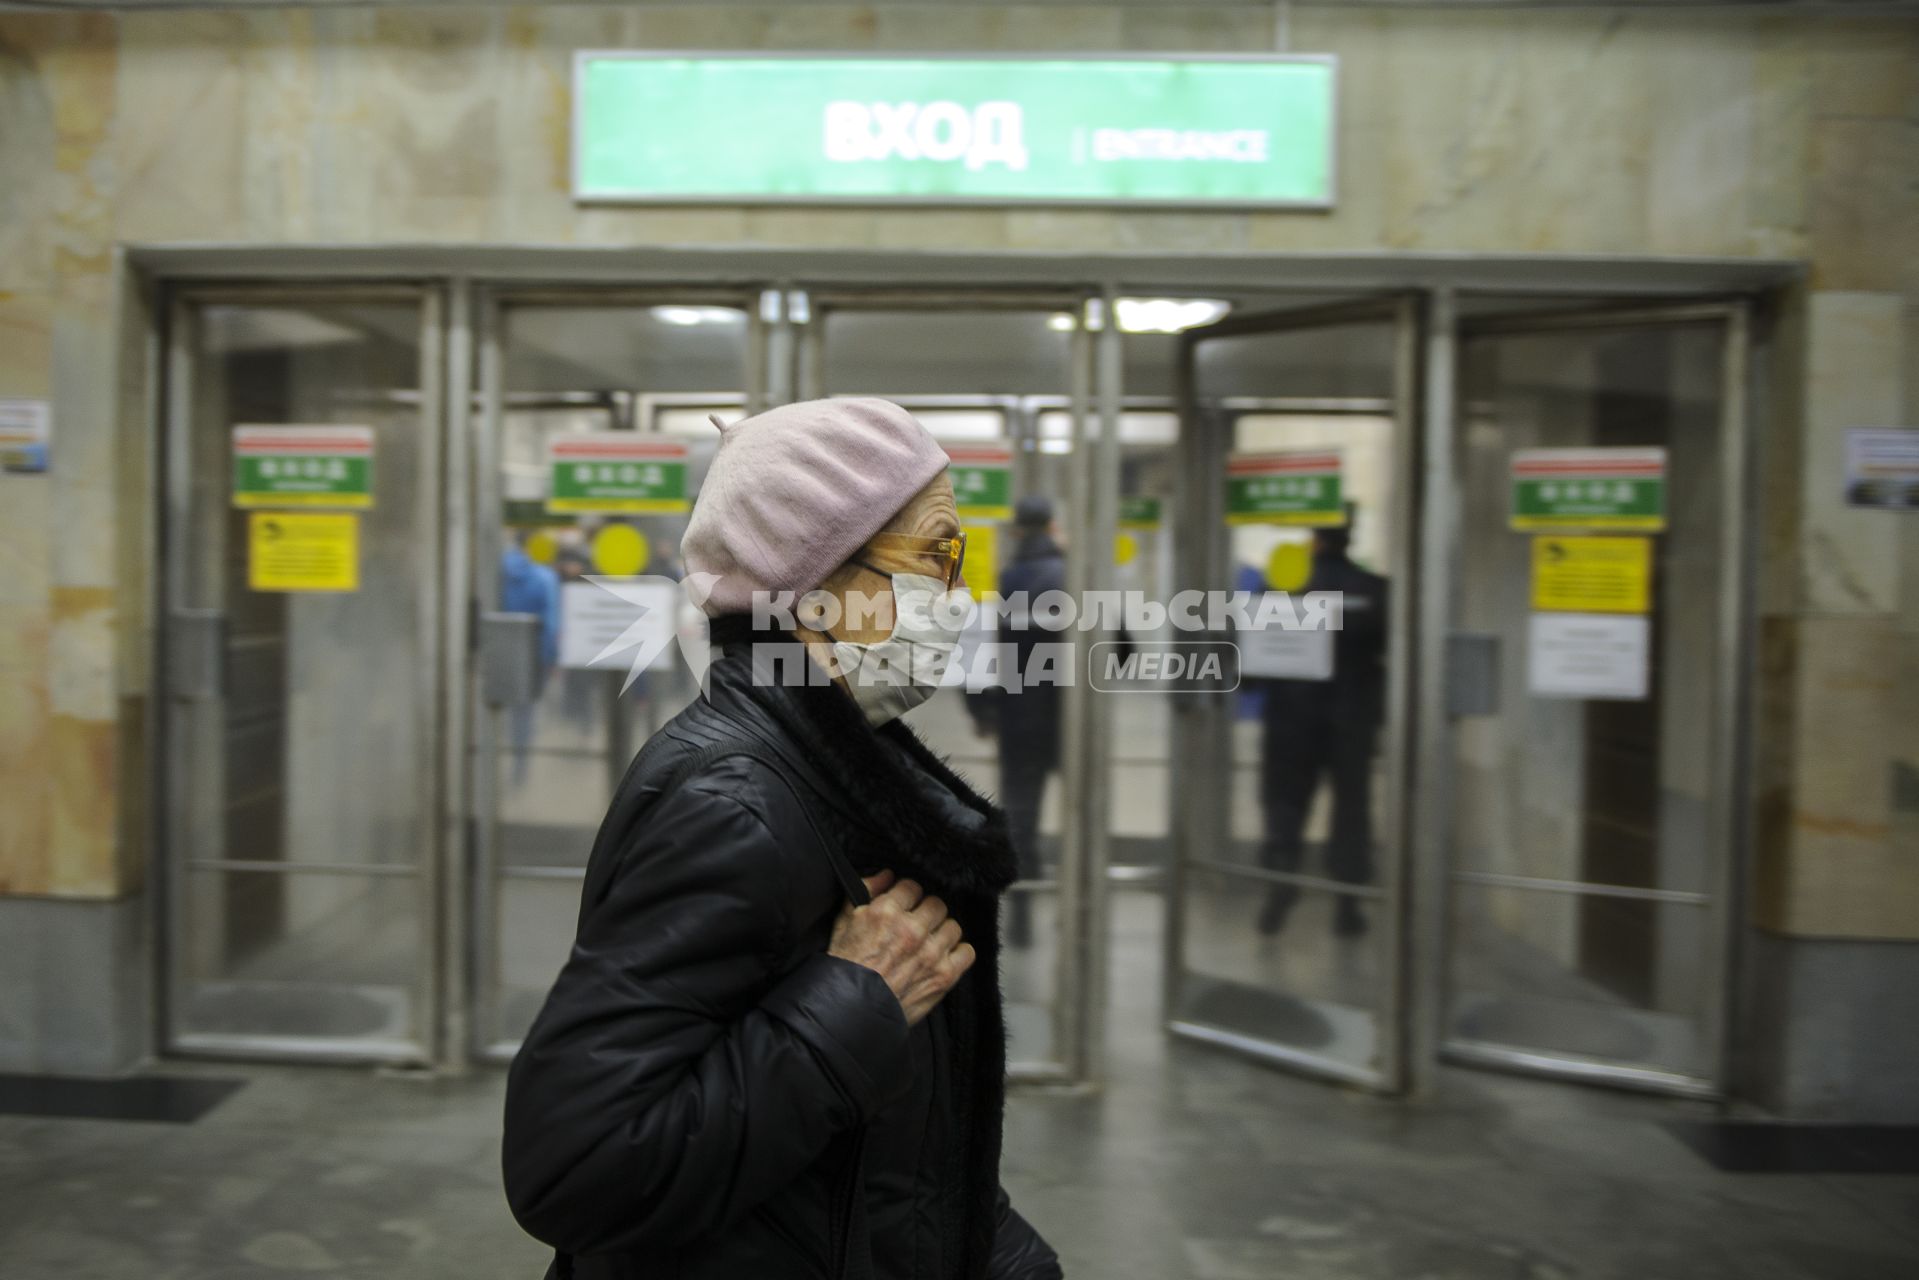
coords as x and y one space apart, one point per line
1168 315
1145 315
686 317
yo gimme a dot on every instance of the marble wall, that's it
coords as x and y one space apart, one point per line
1583 132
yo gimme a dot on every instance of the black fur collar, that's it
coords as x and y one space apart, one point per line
931 825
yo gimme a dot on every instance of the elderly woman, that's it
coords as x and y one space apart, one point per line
777 1048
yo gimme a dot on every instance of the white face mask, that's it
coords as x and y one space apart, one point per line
891 677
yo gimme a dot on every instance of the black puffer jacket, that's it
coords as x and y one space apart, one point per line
708 1095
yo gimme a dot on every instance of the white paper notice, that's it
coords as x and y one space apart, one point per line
25 421
1588 655
593 620
1285 655
24 428
1882 469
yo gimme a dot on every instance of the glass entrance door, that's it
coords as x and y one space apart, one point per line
1284 920
588 387
594 436
1595 661
303 544
974 368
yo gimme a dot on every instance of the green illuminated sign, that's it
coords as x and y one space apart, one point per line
982 480
1197 131
1139 512
615 473
1589 489
1293 488
301 466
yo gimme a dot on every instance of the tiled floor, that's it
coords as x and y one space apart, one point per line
1190 1163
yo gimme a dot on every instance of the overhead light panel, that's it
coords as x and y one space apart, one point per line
1168 315
687 317
1147 315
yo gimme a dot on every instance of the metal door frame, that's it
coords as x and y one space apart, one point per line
468 272
475 582
1727 819
1199 722
1093 386
783 357
182 661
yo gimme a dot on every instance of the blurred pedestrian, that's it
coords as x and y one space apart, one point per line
1327 730
530 588
580 687
1025 715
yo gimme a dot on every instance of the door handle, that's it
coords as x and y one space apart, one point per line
1472 674
509 658
196 654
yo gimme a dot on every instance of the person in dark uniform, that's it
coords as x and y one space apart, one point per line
1314 729
1025 718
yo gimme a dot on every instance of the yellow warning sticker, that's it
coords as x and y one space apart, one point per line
301 551
980 571
1592 575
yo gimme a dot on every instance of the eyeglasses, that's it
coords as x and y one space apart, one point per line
952 550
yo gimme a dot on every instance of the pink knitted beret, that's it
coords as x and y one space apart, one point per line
796 490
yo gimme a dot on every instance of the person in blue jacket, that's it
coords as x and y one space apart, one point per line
528 587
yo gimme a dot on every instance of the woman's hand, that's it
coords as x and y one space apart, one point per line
905 936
